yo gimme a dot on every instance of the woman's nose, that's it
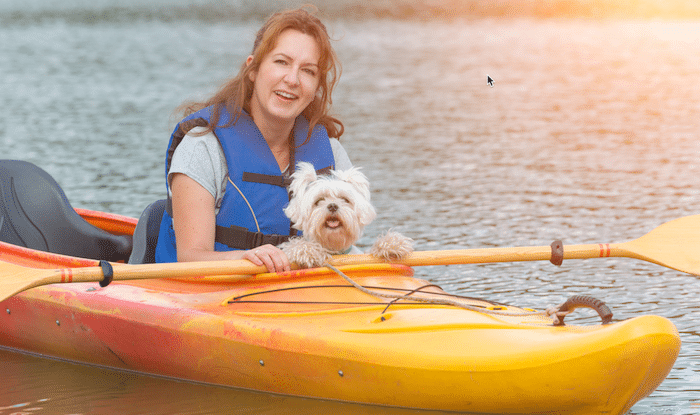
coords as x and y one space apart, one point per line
292 77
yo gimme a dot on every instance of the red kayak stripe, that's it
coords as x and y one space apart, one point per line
604 250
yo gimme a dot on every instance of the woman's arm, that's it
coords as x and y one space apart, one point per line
194 222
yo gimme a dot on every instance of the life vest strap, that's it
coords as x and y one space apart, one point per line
238 237
280 181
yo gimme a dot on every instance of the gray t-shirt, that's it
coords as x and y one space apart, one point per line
202 159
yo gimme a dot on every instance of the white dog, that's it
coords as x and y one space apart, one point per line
332 212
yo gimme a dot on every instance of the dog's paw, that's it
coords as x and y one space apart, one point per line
392 246
305 253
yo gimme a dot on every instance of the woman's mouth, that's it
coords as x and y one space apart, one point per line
285 95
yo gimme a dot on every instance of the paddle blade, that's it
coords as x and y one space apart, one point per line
675 244
16 278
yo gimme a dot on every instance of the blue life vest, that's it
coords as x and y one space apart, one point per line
256 190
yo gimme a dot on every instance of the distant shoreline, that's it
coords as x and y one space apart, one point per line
220 11
633 9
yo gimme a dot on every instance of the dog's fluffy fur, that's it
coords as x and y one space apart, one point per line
332 212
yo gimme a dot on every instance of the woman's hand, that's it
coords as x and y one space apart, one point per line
269 255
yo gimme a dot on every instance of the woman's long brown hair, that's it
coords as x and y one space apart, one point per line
235 95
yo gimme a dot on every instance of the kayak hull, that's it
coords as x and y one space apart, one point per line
309 333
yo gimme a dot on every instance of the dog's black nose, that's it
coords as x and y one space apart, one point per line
333 207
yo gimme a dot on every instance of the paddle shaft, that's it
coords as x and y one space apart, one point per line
243 268
675 244
493 255
239 269
16 278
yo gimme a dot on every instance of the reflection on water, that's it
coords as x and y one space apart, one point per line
589 135
33 385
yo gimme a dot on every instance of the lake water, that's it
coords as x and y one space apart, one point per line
589 135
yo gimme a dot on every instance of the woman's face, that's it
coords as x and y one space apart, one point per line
287 79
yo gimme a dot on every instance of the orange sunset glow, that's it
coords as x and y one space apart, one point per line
668 9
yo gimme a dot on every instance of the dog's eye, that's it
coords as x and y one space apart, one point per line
319 200
346 200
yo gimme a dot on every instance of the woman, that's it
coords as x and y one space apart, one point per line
228 161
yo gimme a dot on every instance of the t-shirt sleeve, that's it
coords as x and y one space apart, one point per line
342 161
200 158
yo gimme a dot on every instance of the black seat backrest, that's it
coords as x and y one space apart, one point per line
146 234
35 213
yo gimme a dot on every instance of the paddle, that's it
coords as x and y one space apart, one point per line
675 244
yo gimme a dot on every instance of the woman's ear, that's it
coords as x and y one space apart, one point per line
251 74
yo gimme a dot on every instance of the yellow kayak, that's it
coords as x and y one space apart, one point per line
370 334
310 333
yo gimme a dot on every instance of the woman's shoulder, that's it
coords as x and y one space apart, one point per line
196 144
201 158
195 136
342 160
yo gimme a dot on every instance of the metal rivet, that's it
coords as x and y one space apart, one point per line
58 323
8 310
262 363
340 372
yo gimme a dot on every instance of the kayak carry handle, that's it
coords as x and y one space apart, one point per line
583 301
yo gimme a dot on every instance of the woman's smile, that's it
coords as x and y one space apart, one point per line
286 95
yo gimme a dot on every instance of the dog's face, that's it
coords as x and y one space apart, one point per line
331 210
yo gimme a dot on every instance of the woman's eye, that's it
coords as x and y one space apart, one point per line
310 72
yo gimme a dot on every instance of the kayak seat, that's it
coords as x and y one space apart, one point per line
146 234
35 213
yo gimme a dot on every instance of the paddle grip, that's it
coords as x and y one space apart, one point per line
557 253
585 301
108 272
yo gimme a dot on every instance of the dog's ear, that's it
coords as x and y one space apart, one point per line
356 179
295 212
366 212
302 177
360 184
